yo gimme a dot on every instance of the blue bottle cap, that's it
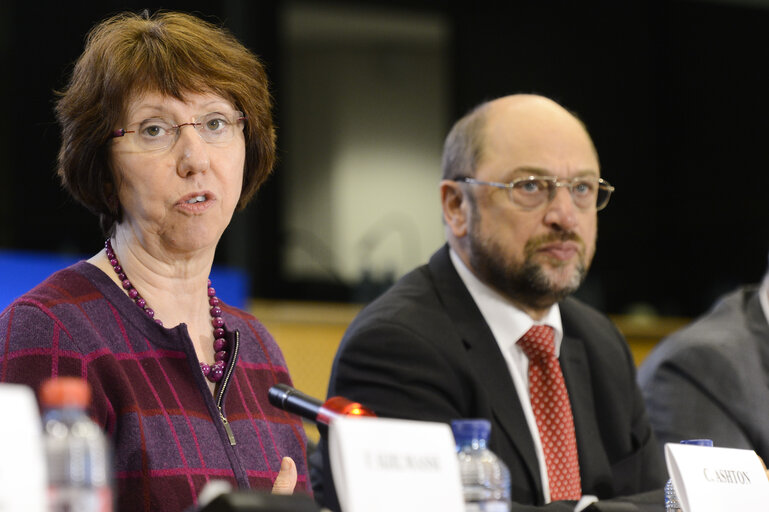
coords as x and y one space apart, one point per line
467 430
698 442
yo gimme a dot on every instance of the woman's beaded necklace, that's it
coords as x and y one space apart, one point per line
213 372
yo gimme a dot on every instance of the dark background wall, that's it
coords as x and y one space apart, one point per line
673 92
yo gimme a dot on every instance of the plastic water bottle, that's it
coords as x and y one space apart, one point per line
76 450
485 478
671 498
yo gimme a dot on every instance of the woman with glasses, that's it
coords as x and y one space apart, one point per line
166 131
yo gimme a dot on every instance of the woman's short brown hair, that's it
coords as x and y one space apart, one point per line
170 53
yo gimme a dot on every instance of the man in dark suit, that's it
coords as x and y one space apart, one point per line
709 380
520 193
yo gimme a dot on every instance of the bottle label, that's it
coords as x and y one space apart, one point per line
487 506
79 499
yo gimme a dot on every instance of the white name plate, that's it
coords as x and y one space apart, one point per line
381 464
712 479
23 477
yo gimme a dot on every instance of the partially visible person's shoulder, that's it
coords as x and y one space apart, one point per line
60 313
724 332
413 288
582 316
603 342
725 324
68 285
60 296
412 303
256 343
242 321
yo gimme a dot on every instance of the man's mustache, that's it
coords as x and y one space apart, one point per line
557 236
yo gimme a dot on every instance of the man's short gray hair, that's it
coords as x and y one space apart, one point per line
463 148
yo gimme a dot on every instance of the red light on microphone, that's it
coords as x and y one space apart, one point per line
294 401
340 406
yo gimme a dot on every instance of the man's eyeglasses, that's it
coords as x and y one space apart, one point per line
533 191
157 133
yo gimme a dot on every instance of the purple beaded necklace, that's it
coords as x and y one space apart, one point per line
213 372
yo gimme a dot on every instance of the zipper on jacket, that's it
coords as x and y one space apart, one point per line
230 434
225 381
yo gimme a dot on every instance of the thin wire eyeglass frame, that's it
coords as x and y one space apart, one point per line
553 183
237 120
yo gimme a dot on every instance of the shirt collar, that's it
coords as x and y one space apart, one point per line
500 313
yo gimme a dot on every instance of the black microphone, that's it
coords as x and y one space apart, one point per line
294 401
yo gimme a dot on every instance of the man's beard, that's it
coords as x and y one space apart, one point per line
525 282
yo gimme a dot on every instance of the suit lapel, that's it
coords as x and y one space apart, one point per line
485 359
576 372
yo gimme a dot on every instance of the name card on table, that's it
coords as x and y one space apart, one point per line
713 479
23 477
381 464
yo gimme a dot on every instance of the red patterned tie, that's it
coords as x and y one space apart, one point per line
552 410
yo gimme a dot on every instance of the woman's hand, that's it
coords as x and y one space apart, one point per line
286 479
